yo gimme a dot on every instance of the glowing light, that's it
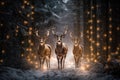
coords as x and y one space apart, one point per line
98 36
28 3
19 11
93 15
110 9
91 32
7 36
87 31
1 24
3 51
36 66
32 12
110 19
16 30
25 22
97 44
2 3
118 28
22 42
90 21
32 7
28 15
105 35
118 48
29 41
25 2
91 27
98 29
1 60
95 60
105 48
23 7
110 39
30 28
98 21
92 7
109 47
44 68
32 44
30 32
98 53
35 56
110 25
88 12
110 32
22 55
27 49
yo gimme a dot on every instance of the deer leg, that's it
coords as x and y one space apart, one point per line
64 61
40 60
48 62
43 59
61 62
75 62
58 62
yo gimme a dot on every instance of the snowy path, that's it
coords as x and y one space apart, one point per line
7 73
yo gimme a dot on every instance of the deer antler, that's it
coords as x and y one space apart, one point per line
53 31
66 30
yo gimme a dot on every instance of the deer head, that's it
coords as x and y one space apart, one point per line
42 38
59 36
75 39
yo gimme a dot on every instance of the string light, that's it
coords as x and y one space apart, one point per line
7 36
98 21
97 44
25 22
3 51
1 60
2 3
118 28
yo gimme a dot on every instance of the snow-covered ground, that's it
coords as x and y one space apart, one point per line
95 73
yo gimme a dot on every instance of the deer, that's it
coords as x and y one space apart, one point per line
44 50
61 48
77 50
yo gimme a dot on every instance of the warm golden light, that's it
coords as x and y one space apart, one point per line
25 22
110 25
105 48
98 36
23 7
97 44
92 7
22 42
22 55
90 21
98 53
118 28
98 21
110 19
1 60
98 29
28 15
105 35
110 10
3 51
2 3
110 32
7 36
110 39
93 15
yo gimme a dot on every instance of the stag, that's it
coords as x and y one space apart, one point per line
44 50
77 50
61 48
